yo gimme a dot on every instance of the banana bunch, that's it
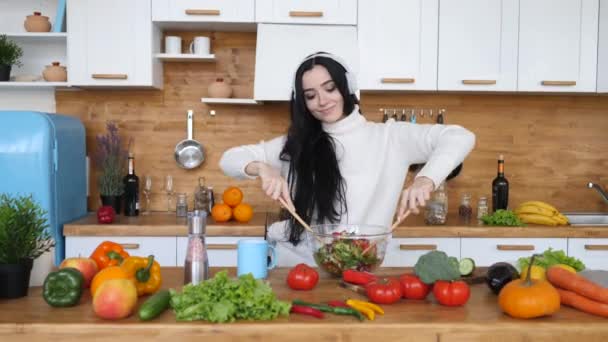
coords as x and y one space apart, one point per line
538 212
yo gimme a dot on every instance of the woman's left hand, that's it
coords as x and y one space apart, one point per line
415 195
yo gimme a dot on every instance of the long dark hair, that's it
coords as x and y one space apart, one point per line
314 176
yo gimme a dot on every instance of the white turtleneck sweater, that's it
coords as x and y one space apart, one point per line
373 158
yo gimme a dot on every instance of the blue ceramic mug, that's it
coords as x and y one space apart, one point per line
252 257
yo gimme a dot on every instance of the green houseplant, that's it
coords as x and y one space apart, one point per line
111 161
24 237
10 54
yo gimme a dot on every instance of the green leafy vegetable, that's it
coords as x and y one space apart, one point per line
222 299
436 265
552 257
502 217
344 253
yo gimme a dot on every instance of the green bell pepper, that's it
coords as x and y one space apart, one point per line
63 288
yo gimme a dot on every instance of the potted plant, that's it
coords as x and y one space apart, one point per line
10 54
111 160
24 236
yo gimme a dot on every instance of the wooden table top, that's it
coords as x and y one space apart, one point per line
31 319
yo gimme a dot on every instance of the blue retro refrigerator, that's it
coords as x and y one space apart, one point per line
45 155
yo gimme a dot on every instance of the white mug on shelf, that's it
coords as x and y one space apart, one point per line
200 46
173 44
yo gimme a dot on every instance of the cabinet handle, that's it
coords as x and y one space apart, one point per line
222 246
478 82
130 245
558 83
398 80
305 14
202 12
515 247
417 247
596 247
110 76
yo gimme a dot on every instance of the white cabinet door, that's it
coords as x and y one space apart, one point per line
398 44
203 10
558 45
281 48
478 45
602 49
404 252
339 12
486 251
221 250
592 252
162 247
110 44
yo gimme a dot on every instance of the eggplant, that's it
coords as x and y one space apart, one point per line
499 274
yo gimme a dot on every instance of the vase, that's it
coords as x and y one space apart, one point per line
113 201
5 72
55 73
15 279
37 23
219 89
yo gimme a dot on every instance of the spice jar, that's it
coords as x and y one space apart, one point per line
482 208
181 206
201 196
464 210
436 210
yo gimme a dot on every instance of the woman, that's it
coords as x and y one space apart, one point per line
339 168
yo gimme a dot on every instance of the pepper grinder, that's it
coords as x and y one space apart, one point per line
196 265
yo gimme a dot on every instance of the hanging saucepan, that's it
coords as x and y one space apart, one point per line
189 153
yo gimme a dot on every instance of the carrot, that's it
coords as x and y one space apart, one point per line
582 303
577 283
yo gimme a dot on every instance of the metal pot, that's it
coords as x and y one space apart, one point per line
189 153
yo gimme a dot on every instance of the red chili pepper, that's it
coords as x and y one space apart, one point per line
337 304
358 277
305 310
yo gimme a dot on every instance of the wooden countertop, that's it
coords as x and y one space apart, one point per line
31 319
165 224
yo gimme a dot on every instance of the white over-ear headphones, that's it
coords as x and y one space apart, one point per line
350 77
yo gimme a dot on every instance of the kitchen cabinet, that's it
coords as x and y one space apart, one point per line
338 12
221 250
162 247
398 44
404 252
281 48
602 49
110 43
478 45
592 252
486 251
203 10
558 45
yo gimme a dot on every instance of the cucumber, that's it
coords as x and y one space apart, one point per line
154 305
466 267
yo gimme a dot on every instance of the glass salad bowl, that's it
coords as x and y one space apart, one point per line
338 247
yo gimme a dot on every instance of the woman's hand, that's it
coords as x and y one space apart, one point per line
416 195
273 184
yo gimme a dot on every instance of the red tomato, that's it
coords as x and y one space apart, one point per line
384 291
453 293
302 277
413 288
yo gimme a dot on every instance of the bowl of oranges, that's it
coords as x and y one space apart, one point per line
232 207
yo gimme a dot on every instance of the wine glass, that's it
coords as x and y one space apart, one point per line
147 192
169 191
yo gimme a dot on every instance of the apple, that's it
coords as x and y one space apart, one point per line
86 266
115 299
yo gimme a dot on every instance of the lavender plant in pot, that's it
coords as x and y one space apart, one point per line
111 161
10 54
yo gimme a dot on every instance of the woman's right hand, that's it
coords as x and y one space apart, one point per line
273 184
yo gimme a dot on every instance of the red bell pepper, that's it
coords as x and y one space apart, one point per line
306 310
358 277
106 214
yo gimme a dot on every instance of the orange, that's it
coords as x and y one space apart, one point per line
243 212
232 196
221 212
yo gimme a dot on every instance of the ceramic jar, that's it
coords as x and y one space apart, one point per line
55 73
37 23
219 89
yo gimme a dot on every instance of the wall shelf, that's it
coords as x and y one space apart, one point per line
185 57
209 100
36 37
33 84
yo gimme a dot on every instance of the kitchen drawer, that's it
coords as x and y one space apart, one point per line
319 12
221 250
163 248
593 252
486 251
203 10
404 252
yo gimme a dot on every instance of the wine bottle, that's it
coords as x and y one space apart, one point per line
131 182
500 187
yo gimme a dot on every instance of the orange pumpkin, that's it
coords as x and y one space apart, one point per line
529 298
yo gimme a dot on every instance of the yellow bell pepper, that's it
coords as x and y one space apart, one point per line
145 272
377 309
366 311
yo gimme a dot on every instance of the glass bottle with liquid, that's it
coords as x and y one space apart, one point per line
196 264
500 187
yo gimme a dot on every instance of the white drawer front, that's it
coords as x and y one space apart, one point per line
404 252
221 250
592 252
163 248
486 251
